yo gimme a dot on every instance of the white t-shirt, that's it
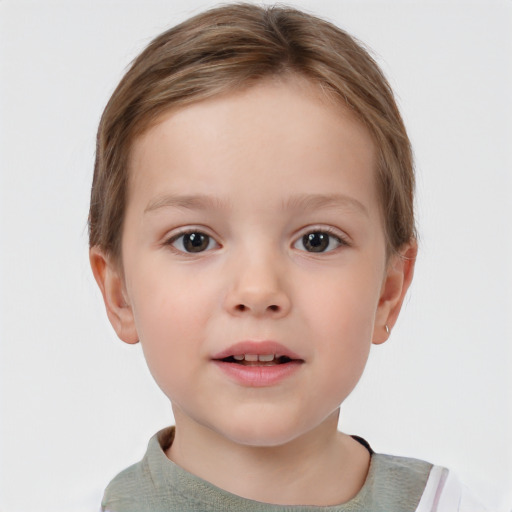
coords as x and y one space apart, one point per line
444 493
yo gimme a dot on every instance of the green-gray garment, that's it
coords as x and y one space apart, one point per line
156 484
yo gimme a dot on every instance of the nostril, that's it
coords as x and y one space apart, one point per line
272 307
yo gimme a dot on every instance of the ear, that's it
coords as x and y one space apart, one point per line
397 280
108 275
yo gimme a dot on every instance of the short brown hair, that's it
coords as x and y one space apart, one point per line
231 47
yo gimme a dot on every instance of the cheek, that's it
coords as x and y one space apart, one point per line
168 303
344 303
341 313
171 315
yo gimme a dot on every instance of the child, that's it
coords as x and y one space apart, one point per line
252 225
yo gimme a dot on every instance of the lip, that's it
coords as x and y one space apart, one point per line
257 348
256 375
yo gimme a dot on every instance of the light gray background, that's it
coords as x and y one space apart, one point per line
77 405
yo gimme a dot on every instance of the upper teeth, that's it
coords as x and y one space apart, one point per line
255 357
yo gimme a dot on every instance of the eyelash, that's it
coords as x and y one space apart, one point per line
173 239
331 234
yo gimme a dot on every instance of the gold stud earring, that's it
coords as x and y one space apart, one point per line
387 329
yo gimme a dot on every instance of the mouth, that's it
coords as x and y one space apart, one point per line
258 364
258 359
257 353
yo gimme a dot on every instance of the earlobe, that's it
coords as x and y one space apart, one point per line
111 283
397 280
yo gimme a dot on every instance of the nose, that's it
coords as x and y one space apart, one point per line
257 288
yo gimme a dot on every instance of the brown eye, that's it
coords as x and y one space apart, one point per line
193 242
315 242
318 241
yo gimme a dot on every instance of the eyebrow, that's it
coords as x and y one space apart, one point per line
189 202
308 202
302 202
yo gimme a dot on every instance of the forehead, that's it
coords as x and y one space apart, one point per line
285 128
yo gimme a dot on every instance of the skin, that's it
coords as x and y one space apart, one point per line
261 180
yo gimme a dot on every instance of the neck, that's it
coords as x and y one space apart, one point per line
322 467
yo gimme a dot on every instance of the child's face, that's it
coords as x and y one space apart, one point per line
253 218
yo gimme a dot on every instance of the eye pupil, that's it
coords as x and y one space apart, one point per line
195 242
316 242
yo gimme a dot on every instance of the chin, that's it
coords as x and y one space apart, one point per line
262 432
262 439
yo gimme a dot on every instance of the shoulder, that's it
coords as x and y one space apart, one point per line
396 483
126 491
403 468
140 487
404 483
